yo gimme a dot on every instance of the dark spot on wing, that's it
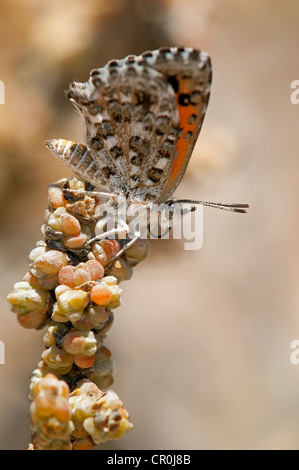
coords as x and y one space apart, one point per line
127 111
188 136
174 83
195 97
192 118
194 55
105 129
147 54
116 152
97 144
166 150
114 109
108 171
95 109
162 125
155 174
184 99
138 145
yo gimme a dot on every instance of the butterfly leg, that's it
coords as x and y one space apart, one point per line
121 231
174 217
124 248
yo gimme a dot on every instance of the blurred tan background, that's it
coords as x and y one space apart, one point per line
202 340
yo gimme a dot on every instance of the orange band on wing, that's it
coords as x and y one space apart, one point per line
182 144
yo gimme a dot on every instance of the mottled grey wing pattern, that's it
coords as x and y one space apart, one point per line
142 115
132 124
79 159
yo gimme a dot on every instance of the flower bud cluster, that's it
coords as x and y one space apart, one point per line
97 416
71 287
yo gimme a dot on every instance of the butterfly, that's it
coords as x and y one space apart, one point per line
142 116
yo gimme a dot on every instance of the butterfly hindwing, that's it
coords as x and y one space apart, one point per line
79 159
142 116
132 123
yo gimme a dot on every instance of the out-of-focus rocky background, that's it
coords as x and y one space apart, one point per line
202 340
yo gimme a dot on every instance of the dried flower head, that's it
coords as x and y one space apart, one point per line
50 414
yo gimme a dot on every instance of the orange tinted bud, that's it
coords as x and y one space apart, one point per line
51 261
84 361
81 343
75 242
105 250
100 294
66 276
74 276
56 197
74 342
69 224
95 269
32 319
112 247
83 444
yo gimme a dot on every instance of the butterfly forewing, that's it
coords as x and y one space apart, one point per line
189 72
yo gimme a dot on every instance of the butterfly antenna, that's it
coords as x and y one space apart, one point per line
241 208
